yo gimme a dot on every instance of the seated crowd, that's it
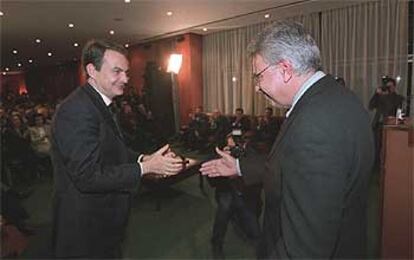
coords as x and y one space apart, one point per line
208 130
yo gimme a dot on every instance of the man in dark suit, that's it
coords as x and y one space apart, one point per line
317 172
94 171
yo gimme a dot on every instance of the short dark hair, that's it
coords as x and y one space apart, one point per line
387 80
240 109
94 51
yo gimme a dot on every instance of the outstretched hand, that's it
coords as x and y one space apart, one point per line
163 162
225 166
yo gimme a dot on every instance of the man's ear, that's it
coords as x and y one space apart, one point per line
91 70
287 70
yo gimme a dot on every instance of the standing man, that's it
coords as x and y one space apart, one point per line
94 171
317 172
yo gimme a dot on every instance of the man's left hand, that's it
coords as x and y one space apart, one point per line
225 166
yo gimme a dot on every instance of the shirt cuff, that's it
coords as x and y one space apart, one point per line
139 161
238 168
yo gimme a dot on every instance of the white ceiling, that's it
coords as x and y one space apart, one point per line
138 21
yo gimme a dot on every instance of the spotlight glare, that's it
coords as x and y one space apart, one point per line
30 61
71 25
75 44
169 13
205 29
6 69
38 40
267 16
49 54
14 51
111 32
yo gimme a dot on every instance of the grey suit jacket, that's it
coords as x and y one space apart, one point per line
94 175
316 177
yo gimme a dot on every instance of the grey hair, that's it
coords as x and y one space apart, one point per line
287 40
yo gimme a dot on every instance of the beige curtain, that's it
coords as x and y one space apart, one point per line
363 42
227 70
360 43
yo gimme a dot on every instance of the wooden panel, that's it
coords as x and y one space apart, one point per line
397 208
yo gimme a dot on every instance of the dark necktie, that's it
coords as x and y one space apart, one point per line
114 114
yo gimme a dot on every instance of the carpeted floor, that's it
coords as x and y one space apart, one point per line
181 228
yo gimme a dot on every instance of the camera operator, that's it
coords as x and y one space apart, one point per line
385 101
235 202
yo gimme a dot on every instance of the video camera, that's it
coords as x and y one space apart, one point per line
384 82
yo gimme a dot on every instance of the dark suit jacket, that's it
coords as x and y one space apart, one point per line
316 182
94 175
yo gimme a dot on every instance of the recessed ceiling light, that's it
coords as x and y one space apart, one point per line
1 13
267 16
126 45
127 1
49 54
6 69
76 44
4 73
19 64
111 32
205 29
14 51
71 25
38 40
30 61
169 13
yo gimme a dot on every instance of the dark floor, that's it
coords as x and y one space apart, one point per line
180 229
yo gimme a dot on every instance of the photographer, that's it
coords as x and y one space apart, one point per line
236 202
386 102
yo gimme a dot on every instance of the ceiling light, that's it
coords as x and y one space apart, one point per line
30 61
111 32
234 79
19 64
14 51
38 40
126 45
127 1
71 25
205 29
49 54
169 13
6 69
1 13
75 44
4 73
267 16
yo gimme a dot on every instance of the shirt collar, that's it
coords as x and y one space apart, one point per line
106 99
307 85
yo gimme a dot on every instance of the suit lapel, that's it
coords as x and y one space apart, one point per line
102 108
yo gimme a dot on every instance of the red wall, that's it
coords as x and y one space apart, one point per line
59 81
14 83
190 75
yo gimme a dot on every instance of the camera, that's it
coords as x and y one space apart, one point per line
384 82
237 148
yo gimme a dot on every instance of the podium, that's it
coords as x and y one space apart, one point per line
397 210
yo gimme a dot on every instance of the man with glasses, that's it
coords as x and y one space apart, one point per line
316 175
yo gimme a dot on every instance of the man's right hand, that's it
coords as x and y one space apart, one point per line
163 162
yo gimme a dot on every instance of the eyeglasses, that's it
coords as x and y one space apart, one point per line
257 77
